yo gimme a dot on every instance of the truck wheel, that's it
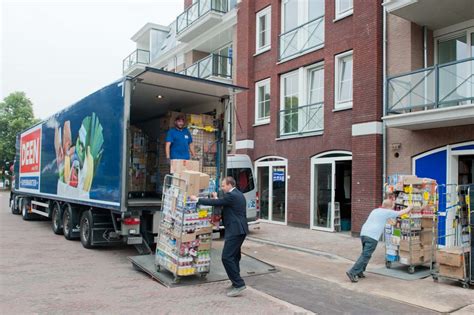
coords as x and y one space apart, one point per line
24 209
86 229
56 222
68 224
14 207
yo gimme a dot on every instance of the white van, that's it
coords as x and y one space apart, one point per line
240 167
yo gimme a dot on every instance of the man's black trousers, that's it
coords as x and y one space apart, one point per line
231 259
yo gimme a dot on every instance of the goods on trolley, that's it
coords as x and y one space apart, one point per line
409 239
184 238
453 243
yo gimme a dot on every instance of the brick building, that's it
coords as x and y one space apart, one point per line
311 119
430 91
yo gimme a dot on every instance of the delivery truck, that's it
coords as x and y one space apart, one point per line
79 168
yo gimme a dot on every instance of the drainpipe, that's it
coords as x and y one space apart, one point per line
425 47
384 102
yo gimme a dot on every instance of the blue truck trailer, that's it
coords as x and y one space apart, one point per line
72 168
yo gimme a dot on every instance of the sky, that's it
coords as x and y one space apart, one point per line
59 51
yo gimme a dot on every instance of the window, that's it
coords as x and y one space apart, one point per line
299 12
243 178
302 27
302 101
343 8
343 81
263 30
262 102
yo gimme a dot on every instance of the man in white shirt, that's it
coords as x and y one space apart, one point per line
370 235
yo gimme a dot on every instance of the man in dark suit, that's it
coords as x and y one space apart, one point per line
234 215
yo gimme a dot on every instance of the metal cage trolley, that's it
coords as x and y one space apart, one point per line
184 234
409 239
453 241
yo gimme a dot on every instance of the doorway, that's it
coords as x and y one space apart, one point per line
331 178
272 175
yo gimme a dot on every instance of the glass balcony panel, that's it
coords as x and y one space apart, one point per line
456 83
303 119
138 56
303 38
197 10
443 85
205 67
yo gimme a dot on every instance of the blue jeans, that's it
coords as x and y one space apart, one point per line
368 247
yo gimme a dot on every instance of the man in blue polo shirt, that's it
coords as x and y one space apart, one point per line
179 141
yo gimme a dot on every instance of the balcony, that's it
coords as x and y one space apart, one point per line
213 67
200 17
302 120
135 62
303 39
434 14
435 97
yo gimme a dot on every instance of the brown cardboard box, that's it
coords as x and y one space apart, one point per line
187 237
204 181
451 256
426 237
179 166
207 121
204 246
194 120
427 223
193 180
405 245
205 230
412 180
452 271
415 257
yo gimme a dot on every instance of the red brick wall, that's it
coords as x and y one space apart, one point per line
361 33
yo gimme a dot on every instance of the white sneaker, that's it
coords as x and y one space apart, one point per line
236 291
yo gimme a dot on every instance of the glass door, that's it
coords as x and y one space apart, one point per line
272 177
278 193
324 182
263 175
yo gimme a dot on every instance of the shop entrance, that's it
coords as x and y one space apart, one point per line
272 187
331 177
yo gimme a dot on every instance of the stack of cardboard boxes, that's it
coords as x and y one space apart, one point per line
192 181
138 156
453 262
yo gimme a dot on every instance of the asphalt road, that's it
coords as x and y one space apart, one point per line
44 273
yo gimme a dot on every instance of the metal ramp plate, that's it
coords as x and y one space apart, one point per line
249 266
401 272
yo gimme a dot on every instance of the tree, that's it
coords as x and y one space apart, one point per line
16 115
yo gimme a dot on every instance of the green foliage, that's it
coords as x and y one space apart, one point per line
16 115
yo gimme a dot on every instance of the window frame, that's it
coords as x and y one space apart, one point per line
266 12
258 84
303 90
338 103
340 15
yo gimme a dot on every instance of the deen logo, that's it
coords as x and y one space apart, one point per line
30 152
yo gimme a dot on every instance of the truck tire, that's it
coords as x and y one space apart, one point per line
14 206
68 224
86 229
56 220
24 209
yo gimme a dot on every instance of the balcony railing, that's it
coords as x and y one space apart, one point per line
198 9
212 65
301 120
139 56
303 38
443 85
